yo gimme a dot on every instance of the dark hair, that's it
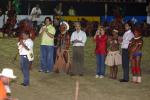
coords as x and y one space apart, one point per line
130 24
48 19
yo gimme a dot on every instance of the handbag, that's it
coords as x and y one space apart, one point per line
30 55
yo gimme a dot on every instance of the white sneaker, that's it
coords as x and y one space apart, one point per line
97 76
101 76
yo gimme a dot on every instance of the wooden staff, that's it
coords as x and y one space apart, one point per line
77 90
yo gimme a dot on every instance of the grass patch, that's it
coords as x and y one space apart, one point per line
53 86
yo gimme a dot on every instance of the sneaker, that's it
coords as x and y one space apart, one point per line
97 76
40 70
47 71
101 76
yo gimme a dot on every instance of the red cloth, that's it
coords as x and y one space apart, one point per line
138 70
101 44
133 70
2 91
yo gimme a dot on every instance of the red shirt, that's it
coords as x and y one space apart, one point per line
101 44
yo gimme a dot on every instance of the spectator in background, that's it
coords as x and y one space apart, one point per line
71 11
35 15
145 29
89 28
78 39
58 10
148 13
5 77
1 12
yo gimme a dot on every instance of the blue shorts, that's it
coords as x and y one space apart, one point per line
137 54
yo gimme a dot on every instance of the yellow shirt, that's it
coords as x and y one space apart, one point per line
46 40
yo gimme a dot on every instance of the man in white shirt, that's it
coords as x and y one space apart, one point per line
78 39
128 35
35 14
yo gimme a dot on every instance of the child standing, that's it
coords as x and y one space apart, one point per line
101 45
135 50
113 58
25 46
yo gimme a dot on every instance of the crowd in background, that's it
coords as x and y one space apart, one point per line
88 26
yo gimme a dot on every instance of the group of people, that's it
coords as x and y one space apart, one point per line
55 57
108 46
36 13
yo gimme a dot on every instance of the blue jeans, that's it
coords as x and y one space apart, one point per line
46 57
125 64
100 60
24 62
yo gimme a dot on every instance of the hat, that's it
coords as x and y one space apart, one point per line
115 30
7 72
67 25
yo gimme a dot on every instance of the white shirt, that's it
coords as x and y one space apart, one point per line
35 13
22 50
81 36
128 35
71 12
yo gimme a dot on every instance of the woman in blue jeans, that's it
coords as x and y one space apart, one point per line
101 46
